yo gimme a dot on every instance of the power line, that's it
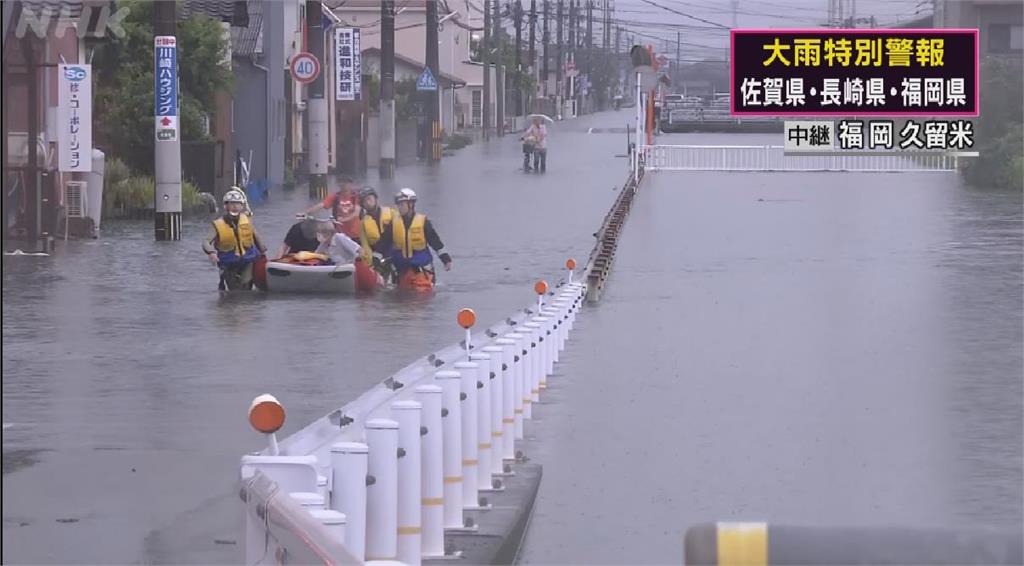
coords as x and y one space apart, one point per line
684 14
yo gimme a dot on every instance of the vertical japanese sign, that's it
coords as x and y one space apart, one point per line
348 64
165 88
74 111
877 72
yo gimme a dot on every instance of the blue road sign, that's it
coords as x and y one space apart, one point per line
426 80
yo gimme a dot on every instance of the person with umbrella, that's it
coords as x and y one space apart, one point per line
538 132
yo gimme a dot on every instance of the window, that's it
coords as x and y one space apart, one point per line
477 108
475 40
1005 38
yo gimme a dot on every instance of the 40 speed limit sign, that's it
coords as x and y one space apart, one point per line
305 67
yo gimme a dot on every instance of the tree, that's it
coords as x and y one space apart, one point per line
998 129
124 85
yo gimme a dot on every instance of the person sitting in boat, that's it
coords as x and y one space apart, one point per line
408 239
301 237
335 245
343 206
233 244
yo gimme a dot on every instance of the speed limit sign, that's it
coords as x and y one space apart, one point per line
305 67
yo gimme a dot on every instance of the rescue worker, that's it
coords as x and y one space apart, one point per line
343 206
233 244
376 220
408 239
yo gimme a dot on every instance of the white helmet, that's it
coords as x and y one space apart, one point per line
234 195
405 194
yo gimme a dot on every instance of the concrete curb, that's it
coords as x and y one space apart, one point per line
502 527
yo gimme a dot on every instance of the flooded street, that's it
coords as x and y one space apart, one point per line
809 349
123 364
802 348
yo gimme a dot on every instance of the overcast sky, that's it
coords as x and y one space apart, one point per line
699 27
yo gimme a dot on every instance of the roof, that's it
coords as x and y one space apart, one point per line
235 12
248 41
419 65
69 9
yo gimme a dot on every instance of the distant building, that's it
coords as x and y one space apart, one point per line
458 55
702 88
1000 23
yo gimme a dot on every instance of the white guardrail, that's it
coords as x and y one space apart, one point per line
381 479
773 158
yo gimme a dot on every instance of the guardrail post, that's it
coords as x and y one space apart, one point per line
323 488
433 471
498 355
470 433
544 342
349 471
407 415
451 411
518 372
531 378
333 522
309 500
508 397
483 422
382 494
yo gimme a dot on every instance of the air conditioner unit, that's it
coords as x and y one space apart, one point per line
75 199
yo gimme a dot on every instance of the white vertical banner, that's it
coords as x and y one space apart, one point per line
74 117
344 83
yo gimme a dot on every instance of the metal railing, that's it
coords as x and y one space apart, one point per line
600 262
773 158
290 534
398 466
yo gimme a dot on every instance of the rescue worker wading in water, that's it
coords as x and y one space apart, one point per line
408 239
233 244
375 222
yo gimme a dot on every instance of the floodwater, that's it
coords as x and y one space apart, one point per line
803 349
799 348
126 376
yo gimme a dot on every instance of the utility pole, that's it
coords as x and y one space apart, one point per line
517 13
317 104
167 147
679 57
387 89
546 40
590 36
487 70
499 70
572 29
735 12
533 39
560 54
433 96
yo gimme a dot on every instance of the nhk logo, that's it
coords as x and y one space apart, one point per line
74 74
93 21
